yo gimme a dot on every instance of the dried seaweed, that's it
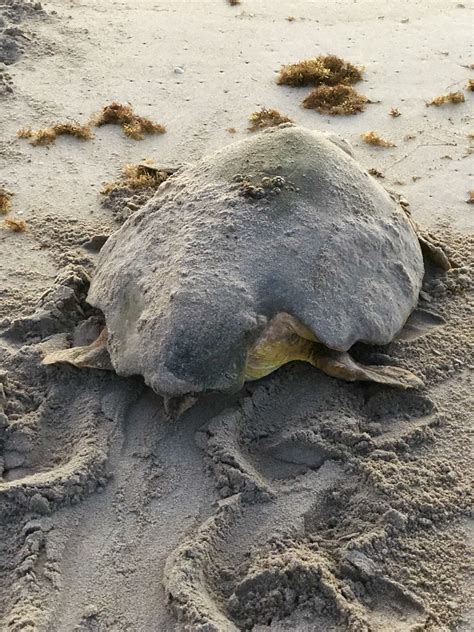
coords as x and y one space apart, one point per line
470 85
372 138
336 100
451 97
328 70
16 225
394 112
5 201
48 135
267 118
77 130
132 125
142 176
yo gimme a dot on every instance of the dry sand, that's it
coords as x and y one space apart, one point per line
304 503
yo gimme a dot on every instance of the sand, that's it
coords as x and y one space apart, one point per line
302 503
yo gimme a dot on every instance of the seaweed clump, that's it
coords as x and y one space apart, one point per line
48 135
340 99
372 138
16 225
470 85
141 176
328 70
451 97
267 118
332 79
5 201
132 125
137 184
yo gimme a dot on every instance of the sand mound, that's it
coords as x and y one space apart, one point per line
14 39
18 26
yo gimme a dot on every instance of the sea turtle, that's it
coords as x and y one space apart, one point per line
275 248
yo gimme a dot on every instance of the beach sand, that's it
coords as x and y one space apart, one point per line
302 503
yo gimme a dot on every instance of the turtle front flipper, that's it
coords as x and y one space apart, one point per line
430 247
93 356
433 251
343 366
419 323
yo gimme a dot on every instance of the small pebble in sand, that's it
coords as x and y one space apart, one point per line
395 518
376 173
39 504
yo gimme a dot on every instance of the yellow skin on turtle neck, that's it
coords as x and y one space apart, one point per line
284 340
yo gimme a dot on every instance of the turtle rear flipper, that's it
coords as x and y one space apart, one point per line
343 366
433 251
420 323
93 356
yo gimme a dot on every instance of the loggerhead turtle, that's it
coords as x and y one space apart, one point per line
276 248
